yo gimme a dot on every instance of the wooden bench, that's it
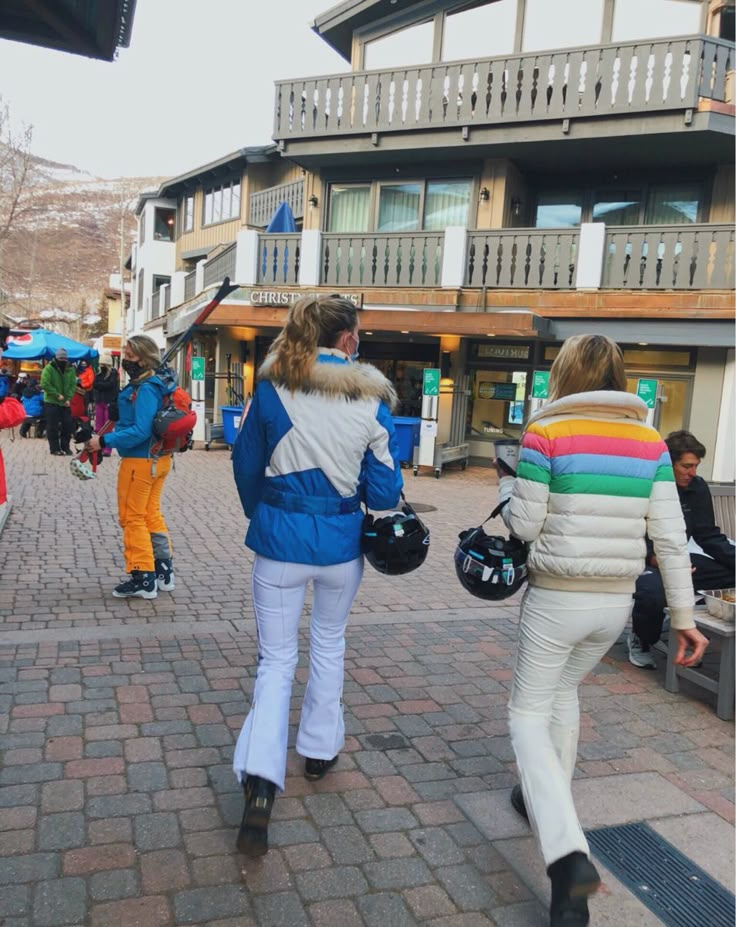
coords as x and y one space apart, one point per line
724 507
723 686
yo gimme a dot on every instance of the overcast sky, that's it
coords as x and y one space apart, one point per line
195 84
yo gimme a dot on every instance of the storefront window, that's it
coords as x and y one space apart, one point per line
480 32
568 24
497 403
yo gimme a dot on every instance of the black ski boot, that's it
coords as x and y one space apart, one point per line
165 575
316 769
573 879
141 585
259 799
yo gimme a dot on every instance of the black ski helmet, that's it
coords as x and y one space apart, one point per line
488 566
396 543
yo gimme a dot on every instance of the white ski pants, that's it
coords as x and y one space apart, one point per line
562 637
278 597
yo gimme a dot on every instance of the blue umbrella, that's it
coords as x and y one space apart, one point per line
282 220
40 344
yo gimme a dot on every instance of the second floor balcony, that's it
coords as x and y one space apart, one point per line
482 98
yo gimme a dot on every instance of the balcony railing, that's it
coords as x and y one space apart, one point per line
669 257
190 285
279 257
522 259
265 203
221 266
605 80
392 259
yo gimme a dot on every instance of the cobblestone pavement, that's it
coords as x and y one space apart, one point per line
117 722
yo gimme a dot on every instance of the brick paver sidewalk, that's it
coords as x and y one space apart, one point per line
117 723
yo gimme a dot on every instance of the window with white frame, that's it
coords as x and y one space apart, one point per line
480 31
187 213
221 203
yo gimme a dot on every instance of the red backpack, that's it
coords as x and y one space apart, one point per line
173 424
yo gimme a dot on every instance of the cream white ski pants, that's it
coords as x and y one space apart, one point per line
562 637
278 597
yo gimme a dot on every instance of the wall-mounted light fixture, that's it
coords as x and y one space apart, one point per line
313 201
485 194
516 205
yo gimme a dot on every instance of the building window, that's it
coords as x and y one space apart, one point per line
139 306
573 23
187 213
221 203
350 207
160 280
407 47
408 206
480 32
163 224
617 207
561 209
673 204
633 19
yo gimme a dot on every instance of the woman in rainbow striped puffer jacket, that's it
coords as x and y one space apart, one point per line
593 480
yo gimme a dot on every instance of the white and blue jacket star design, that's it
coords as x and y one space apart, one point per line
305 461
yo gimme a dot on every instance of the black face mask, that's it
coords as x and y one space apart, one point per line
61 365
133 369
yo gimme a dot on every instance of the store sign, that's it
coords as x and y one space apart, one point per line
508 351
503 391
197 368
540 384
431 382
647 390
287 297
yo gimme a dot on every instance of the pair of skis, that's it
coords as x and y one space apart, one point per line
80 465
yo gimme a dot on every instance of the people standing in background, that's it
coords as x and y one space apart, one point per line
82 393
593 480
12 413
105 392
32 401
58 382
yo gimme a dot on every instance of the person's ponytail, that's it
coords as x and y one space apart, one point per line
295 348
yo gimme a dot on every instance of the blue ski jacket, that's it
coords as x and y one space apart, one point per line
138 405
305 461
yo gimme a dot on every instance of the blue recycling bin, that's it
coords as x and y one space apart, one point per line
407 433
231 416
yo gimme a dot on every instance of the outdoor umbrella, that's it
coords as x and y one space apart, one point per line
40 344
282 220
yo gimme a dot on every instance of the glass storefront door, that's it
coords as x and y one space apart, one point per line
497 403
671 411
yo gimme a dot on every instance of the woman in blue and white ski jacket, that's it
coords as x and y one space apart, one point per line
317 442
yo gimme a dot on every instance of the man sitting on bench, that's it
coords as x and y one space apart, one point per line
712 554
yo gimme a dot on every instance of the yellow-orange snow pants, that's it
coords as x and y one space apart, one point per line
145 535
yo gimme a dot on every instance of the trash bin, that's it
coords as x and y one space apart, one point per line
508 450
407 433
231 416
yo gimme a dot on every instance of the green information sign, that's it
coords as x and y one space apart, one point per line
540 384
431 382
647 390
197 368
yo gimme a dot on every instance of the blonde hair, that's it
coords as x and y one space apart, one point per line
146 350
312 322
585 363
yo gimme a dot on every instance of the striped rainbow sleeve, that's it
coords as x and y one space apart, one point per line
534 459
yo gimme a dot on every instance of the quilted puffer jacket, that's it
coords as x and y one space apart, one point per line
593 480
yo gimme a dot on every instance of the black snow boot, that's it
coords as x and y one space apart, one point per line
141 585
259 799
573 879
165 575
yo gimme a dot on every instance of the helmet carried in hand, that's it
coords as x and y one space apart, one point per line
397 543
489 566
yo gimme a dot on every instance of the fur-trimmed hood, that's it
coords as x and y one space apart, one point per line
334 375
